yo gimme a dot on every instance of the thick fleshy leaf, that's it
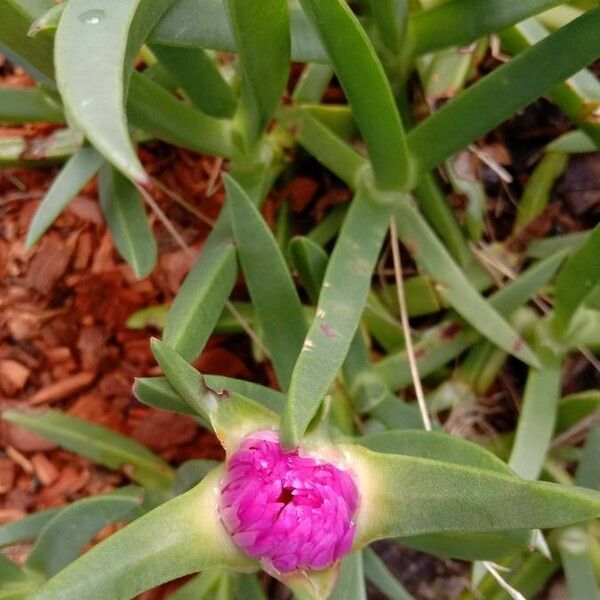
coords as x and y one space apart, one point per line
159 393
200 78
123 208
31 105
201 587
578 96
446 448
328 148
536 419
17 16
311 585
575 407
454 286
405 496
47 21
528 76
183 536
278 307
95 49
461 22
191 473
350 584
444 342
26 528
15 583
262 33
341 303
390 16
367 89
157 112
56 147
97 443
232 415
63 538
205 24
80 168
578 277
379 575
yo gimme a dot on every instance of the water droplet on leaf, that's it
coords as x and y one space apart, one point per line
92 17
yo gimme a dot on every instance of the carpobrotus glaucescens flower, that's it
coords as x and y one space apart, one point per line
290 511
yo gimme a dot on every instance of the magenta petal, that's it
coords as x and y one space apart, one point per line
290 511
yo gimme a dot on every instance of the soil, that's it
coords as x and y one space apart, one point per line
64 342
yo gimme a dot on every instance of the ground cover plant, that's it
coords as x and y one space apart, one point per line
354 440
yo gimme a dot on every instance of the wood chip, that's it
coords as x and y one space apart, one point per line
62 389
8 515
23 440
7 475
49 264
19 459
44 470
59 354
13 376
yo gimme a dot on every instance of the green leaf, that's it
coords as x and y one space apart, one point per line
444 342
379 575
461 22
26 528
47 21
123 208
264 53
232 415
159 393
446 448
205 24
97 443
278 307
313 83
311 261
575 281
434 206
341 304
42 150
405 496
572 142
454 286
94 53
575 555
65 536
390 17
154 110
350 584
578 97
17 16
575 407
536 419
200 78
367 89
197 306
519 82
182 536
31 105
191 473
200 586
186 380
588 470
15 584
328 148
80 168
536 195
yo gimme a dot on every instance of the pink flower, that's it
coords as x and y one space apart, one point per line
290 511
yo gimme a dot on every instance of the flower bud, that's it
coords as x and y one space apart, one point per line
287 510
